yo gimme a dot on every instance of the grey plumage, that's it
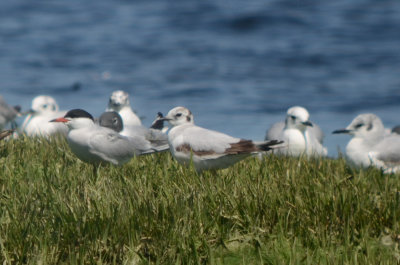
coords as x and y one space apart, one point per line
7 113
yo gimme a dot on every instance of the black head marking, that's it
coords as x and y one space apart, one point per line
369 127
188 116
112 120
359 125
78 113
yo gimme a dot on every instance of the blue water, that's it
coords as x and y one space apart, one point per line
238 65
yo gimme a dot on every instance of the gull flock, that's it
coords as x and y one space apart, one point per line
118 135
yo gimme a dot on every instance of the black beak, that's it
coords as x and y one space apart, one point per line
307 123
341 131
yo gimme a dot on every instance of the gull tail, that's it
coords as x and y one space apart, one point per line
269 145
156 149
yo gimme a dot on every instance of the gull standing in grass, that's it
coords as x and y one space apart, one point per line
370 145
95 144
37 123
7 113
300 135
113 120
119 102
207 149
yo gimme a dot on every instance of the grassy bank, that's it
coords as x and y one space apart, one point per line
54 210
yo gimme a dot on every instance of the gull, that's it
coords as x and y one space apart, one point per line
113 120
95 144
158 123
300 135
37 123
207 149
119 102
7 113
370 145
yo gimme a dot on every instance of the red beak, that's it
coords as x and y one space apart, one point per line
60 120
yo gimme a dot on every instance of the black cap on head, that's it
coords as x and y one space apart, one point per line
78 113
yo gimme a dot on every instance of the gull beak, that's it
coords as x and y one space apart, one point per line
62 119
307 123
341 131
164 119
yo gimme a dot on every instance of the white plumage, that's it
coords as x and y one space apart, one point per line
301 136
96 144
207 149
119 102
37 123
370 145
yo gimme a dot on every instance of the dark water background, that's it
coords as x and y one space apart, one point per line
238 65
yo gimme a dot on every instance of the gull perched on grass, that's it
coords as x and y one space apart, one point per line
300 135
95 144
113 120
207 149
7 113
119 102
370 145
37 123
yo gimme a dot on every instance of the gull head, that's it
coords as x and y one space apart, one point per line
178 116
76 119
112 120
44 104
297 118
367 126
118 100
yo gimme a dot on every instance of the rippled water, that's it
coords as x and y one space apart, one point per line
238 65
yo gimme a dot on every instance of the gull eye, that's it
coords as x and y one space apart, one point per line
359 125
178 115
115 120
293 117
45 106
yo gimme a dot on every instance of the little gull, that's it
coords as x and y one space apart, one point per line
370 145
95 144
119 102
207 149
37 123
300 135
113 120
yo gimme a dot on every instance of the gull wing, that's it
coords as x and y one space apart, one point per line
387 151
208 143
275 132
112 147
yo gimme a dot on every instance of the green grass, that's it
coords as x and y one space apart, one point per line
280 210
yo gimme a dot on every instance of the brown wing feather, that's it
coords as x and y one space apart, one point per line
242 147
185 148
